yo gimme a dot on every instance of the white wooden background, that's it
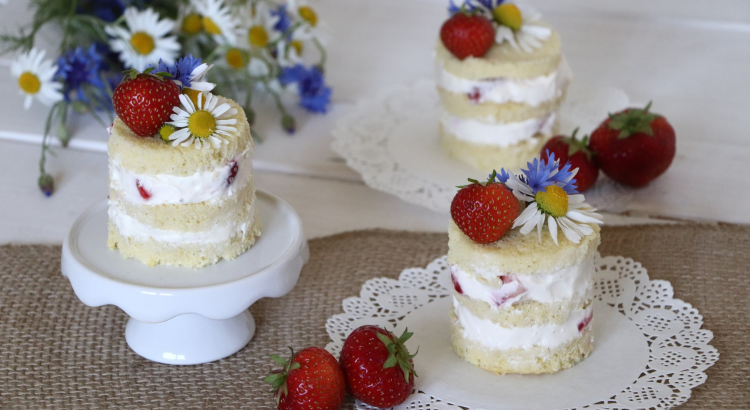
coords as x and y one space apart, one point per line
692 58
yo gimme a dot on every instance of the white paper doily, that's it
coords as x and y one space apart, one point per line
393 142
649 349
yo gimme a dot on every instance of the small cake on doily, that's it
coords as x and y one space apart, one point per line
501 78
522 293
180 173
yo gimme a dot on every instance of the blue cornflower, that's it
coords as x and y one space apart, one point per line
452 8
502 176
313 93
284 21
182 70
77 68
107 10
540 174
291 74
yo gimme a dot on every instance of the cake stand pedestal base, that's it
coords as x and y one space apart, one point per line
190 338
182 315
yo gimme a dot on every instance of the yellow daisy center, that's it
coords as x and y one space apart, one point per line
165 131
192 24
508 15
210 26
297 45
553 202
192 94
201 124
29 83
308 14
235 59
142 43
257 36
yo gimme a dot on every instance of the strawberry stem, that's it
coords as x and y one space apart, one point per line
633 121
398 354
277 379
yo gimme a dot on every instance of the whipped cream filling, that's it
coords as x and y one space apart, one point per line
532 91
161 189
496 337
130 227
499 134
503 290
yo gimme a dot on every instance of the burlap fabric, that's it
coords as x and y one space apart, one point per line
56 352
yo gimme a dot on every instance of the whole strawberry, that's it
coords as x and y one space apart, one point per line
467 35
144 101
311 379
578 153
634 147
484 211
378 368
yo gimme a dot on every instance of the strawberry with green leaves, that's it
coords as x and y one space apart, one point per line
311 379
634 146
378 367
485 211
144 101
578 153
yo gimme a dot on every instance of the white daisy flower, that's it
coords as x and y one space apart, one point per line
528 36
145 40
302 11
258 68
217 20
552 197
205 125
188 20
258 29
198 78
34 75
288 52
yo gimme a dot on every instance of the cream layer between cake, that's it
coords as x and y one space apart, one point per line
501 90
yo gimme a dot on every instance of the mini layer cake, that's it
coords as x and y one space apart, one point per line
501 107
174 204
521 306
522 300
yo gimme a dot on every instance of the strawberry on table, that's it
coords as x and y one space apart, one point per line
634 146
467 35
484 211
378 367
311 379
578 153
144 101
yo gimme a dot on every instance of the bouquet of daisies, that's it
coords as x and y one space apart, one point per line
254 47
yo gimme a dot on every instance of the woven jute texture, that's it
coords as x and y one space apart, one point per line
56 352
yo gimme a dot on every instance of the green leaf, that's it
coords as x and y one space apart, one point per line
385 339
278 359
405 336
295 366
272 378
406 369
392 361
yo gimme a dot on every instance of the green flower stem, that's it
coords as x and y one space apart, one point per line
66 23
276 98
322 51
45 144
62 133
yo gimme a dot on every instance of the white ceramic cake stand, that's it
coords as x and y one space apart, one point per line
181 315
